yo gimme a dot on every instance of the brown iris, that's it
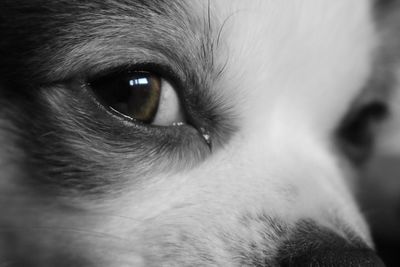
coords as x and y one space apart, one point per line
135 94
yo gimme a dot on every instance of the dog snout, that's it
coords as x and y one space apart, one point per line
319 247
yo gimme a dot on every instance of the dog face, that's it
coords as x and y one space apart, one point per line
175 133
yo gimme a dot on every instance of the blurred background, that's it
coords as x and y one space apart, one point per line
380 191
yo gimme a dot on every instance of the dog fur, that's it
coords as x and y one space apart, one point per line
278 87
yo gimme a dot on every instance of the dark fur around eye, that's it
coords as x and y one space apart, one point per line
72 142
73 145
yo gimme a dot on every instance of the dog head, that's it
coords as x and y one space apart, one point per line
174 133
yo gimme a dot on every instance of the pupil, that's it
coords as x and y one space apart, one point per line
142 99
135 95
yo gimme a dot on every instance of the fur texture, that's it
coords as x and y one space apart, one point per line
280 87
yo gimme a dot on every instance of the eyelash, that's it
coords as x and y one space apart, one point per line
159 69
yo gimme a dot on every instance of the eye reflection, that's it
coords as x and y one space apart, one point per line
139 81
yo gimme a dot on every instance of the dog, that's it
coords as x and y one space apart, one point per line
191 133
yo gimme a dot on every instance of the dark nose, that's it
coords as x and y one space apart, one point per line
313 246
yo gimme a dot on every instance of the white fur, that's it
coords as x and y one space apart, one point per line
291 80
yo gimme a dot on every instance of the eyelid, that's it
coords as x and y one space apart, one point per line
164 71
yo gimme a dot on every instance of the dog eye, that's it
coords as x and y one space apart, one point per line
139 95
356 134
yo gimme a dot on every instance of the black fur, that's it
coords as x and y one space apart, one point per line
50 50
